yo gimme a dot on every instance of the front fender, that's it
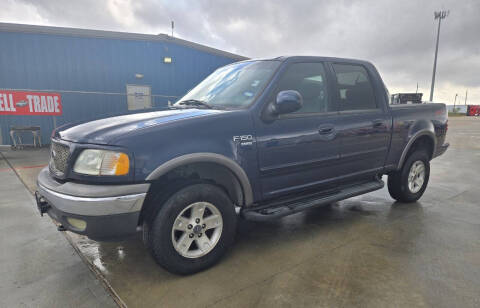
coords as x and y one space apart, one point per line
235 168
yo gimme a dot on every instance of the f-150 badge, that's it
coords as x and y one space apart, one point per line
244 139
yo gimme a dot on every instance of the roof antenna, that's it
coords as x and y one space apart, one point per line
173 25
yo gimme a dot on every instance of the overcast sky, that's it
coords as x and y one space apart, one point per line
397 36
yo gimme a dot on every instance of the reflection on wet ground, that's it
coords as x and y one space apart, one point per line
364 251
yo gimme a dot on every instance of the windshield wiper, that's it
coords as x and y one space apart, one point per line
194 102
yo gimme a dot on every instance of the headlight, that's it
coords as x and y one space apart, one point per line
101 162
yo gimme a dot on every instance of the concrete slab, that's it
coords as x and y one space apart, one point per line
364 251
38 267
28 163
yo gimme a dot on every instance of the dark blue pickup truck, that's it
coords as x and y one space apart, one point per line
259 139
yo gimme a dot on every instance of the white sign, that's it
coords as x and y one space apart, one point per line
138 97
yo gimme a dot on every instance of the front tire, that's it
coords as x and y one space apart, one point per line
193 229
409 183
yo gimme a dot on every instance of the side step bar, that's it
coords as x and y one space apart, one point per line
276 210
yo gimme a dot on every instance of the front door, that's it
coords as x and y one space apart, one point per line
299 150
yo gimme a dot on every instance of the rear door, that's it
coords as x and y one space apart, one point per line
299 150
363 122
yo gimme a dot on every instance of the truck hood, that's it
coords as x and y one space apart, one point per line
106 131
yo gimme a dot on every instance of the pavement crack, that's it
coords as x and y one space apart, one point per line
459 194
289 268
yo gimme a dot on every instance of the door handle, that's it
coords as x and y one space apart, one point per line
378 123
325 131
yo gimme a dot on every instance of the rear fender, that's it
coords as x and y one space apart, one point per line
419 129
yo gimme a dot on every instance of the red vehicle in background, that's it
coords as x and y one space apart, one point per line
473 110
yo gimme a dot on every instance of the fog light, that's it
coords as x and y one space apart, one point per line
79 224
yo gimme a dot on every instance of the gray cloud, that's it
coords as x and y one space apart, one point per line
397 36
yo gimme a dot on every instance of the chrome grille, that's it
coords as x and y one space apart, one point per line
59 154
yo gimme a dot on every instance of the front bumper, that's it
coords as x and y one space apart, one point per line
101 212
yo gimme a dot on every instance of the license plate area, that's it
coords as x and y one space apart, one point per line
42 204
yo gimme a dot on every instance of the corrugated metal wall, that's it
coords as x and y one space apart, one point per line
45 61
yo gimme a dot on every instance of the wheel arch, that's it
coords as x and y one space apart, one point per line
219 166
424 137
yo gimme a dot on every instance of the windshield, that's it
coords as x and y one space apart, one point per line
232 86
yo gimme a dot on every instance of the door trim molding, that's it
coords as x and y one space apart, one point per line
297 165
322 182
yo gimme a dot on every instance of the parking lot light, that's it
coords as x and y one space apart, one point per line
438 15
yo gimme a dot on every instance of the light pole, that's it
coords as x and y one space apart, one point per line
438 15
454 102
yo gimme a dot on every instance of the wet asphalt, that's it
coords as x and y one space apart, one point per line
366 251
38 267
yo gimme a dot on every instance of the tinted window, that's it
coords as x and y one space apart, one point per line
356 91
310 81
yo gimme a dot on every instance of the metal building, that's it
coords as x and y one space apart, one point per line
94 70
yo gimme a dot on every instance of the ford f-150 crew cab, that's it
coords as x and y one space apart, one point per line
259 139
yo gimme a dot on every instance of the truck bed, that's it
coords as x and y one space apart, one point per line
407 119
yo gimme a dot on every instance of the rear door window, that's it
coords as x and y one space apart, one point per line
355 88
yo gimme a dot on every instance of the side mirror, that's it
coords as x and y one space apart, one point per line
287 101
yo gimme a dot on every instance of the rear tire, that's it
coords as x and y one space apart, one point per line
193 229
409 183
